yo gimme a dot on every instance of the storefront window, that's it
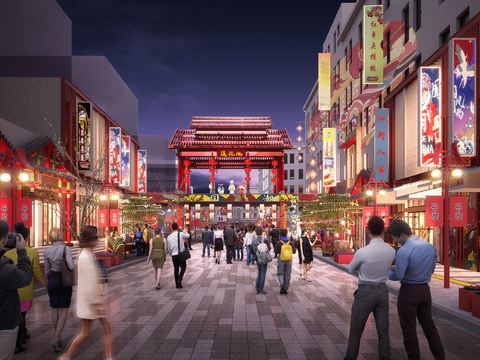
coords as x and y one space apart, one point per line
416 220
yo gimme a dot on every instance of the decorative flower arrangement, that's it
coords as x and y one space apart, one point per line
42 265
345 252
327 242
100 254
377 12
472 288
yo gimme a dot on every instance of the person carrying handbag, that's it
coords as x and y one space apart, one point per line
175 246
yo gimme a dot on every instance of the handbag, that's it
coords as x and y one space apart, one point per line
185 254
69 277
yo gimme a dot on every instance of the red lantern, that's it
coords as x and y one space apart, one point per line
248 161
274 162
275 171
248 179
248 170
212 170
187 163
211 161
212 178
275 179
186 180
186 171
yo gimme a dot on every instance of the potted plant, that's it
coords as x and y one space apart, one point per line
476 304
327 246
343 257
114 243
107 258
465 295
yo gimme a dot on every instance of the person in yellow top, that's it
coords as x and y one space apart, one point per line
26 293
146 239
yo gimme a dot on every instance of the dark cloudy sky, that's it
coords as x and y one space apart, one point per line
207 58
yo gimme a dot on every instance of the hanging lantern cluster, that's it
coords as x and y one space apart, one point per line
212 163
186 172
275 171
248 170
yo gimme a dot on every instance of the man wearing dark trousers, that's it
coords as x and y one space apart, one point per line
230 236
206 240
372 262
274 235
174 240
415 264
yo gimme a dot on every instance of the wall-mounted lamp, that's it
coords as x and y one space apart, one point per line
212 207
197 215
274 207
197 207
247 207
229 215
229 207
247 215
212 215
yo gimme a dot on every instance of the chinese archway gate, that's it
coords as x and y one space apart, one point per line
230 143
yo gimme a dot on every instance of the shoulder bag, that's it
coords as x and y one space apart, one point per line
185 254
69 277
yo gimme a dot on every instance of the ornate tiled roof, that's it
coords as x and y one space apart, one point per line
230 123
4 138
39 143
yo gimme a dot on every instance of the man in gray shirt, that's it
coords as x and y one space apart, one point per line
372 262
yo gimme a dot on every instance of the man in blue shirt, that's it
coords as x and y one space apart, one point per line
415 264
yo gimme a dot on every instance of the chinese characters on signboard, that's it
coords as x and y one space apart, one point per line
372 49
114 218
367 213
84 111
463 80
430 108
125 167
24 211
381 144
142 171
434 216
329 157
323 81
115 140
458 211
6 211
102 218
231 153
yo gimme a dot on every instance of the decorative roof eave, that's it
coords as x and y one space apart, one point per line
225 122
9 145
40 143
51 171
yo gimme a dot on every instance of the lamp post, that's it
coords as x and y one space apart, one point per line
375 184
447 156
107 187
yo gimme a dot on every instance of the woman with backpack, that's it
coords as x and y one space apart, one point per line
307 254
139 241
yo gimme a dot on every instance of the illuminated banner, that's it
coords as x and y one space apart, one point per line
6 211
434 216
329 157
458 211
142 171
367 213
231 153
125 181
372 49
324 81
115 141
381 145
114 218
463 80
24 211
102 218
84 111
430 126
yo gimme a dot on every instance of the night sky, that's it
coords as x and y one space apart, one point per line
207 58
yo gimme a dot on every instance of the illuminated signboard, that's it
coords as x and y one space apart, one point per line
430 101
381 144
125 158
231 153
323 81
372 49
114 140
84 112
142 171
462 58
329 157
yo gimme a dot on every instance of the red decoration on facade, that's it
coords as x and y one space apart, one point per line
114 218
186 171
103 218
248 178
24 211
212 179
212 161
248 161
6 213
434 216
274 162
212 170
275 171
275 179
367 213
458 211
187 163
248 171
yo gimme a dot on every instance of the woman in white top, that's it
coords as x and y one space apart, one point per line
90 301
249 236
218 245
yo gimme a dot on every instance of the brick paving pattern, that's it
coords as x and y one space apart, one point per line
218 316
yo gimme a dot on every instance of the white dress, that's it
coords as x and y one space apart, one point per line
89 291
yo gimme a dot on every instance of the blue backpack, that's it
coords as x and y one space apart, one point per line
139 237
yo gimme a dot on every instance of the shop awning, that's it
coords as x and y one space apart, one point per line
362 179
471 181
349 143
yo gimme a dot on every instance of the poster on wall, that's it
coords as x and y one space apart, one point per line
84 112
458 211
462 57
430 125
329 156
114 146
125 158
434 216
372 49
323 81
142 171
381 145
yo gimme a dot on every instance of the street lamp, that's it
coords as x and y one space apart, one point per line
375 184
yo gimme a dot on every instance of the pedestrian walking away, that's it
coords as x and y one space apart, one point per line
218 244
262 268
175 240
249 236
158 249
372 263
206 241
139 242
230 238
306 254
274 235
415 264
285 247
239 244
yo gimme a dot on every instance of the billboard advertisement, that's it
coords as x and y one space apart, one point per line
125 158
142 171
430 107
381 145
323 81
372 49
462 55
329 157
114 146
84 112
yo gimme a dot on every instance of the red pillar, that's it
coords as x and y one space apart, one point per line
180 173
281 180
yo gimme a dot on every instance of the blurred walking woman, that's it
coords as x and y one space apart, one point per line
307 254
158 247
90 301
218 245
60 296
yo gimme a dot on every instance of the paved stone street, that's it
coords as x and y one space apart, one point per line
218 316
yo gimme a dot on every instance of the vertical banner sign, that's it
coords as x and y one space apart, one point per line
367 213
115 140
372 49
384 212
323 81
458 211
434 217
381 145
142 171
102 218
125 166
463 79
84 111
6 211
283 216
329 157
114 218
24 211
430 126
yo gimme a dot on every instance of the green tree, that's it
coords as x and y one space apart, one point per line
136 211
